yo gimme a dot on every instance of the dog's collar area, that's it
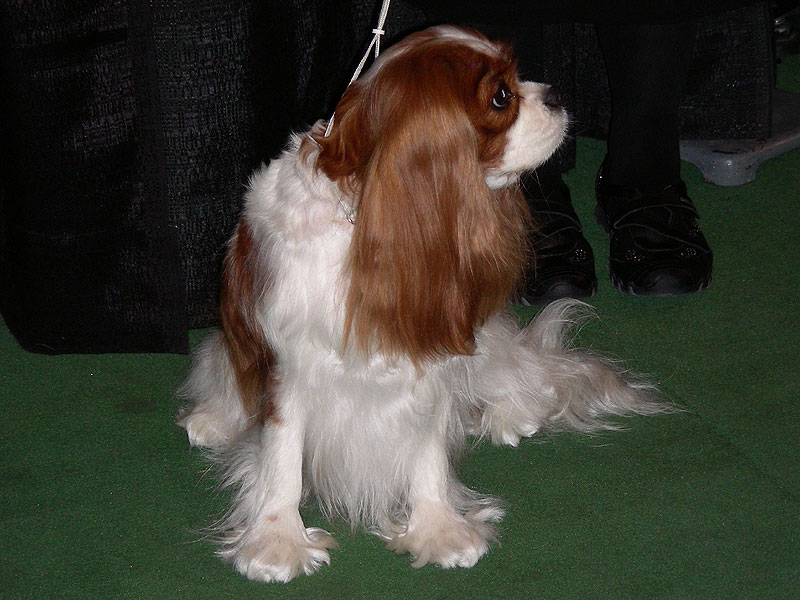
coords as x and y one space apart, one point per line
311 139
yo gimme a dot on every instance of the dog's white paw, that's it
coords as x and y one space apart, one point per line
445 538
280 557
509 432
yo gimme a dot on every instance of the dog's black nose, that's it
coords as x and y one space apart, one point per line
552 99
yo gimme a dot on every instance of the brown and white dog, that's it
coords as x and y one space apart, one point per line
363 330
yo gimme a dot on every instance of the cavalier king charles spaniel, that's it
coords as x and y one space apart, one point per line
363 333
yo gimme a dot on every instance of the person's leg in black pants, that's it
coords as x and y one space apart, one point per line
646 67
562 262
656 246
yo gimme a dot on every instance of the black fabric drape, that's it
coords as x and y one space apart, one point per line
89 259
130 128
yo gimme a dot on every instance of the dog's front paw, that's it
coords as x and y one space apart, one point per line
280 557
445 538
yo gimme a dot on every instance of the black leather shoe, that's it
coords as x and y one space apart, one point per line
657 248
563 262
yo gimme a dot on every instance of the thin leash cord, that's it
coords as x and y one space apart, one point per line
375 43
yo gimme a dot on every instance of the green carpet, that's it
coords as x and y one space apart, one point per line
100 496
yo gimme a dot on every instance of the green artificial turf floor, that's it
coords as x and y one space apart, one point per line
100 496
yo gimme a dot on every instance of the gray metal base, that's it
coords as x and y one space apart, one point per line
735 162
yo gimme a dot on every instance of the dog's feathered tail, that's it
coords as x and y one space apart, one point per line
532 379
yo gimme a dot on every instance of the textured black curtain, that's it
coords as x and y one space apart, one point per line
129 130
90 259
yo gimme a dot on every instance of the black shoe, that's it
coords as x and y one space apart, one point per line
563 262
657 248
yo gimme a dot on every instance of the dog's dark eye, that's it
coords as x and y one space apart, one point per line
502 97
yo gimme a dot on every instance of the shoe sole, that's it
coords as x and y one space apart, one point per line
655 292
561 291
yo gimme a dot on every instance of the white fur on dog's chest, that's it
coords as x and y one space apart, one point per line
305 244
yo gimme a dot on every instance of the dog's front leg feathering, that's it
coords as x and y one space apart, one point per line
448 525
265 537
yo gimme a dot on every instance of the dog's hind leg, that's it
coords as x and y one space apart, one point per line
214 415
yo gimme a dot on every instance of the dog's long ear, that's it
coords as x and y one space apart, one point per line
434 250
252 359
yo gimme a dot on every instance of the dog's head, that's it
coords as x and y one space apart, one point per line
428 145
